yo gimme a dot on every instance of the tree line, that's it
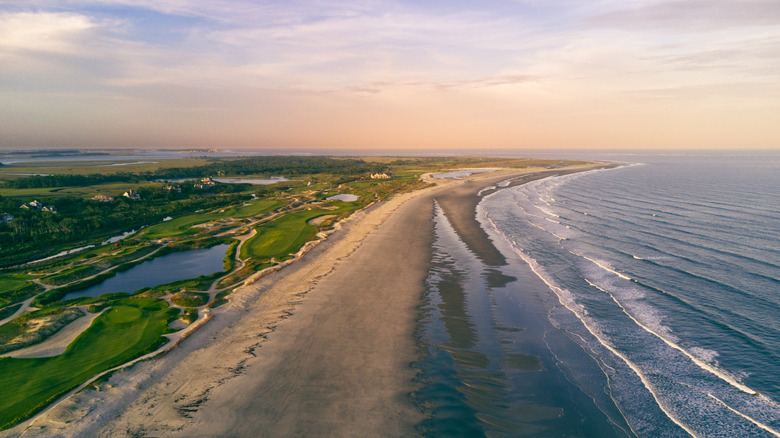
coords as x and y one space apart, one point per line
267 165
32 232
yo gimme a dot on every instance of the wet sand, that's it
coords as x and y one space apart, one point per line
321 348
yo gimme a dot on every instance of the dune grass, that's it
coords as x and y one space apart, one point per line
190 299
129 329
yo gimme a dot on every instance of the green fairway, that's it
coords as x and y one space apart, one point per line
176 227
132 327
282 236
252 208
286 235
15 288
183 225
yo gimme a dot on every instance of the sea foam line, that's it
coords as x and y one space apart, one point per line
703 365
572 305
534 265
760 425
604 266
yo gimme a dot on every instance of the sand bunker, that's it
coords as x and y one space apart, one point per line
58 343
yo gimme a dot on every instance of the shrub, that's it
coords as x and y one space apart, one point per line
190 299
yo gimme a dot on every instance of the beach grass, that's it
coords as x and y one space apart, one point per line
190 299
129 329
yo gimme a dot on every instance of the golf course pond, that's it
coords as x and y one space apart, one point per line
164 269
344 197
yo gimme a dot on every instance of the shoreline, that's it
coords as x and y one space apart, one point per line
322 346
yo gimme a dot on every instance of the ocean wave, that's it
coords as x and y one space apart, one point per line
671 381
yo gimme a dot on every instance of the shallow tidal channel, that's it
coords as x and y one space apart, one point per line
491 363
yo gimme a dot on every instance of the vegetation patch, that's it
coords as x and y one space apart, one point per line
35 327
15 288
240 275
220 299
190 299
7 311
182 226
286 235
189 316
72 274
131 328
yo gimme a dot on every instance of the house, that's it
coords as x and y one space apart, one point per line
37 205
32 205
103 198
381 175
6 218
131 194
170 188
205 183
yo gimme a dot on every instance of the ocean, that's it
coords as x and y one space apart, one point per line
637 301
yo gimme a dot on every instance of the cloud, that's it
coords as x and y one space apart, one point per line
392 72
43 31
692 15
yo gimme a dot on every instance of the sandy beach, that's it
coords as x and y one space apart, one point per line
321 348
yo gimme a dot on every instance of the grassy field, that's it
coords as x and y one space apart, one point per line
103 165
114 189
183 225
16 287
286 235
282 236
254 208
72 274
7 311
131 328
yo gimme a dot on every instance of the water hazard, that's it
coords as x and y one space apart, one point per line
164 269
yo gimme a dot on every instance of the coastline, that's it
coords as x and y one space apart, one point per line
323 346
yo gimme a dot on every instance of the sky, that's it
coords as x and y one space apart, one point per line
405 75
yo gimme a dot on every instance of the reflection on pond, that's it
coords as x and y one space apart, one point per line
165 269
